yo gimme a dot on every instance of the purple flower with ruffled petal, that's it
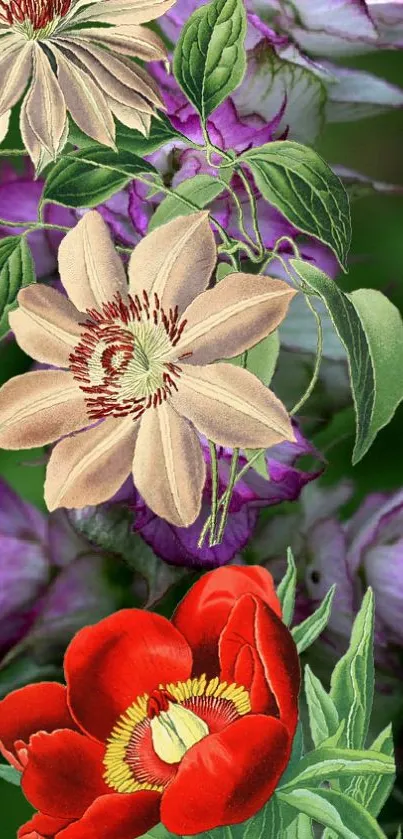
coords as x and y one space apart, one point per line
51 579
366 550
179 546
284 41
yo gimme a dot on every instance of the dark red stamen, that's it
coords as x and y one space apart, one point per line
159 701
37 12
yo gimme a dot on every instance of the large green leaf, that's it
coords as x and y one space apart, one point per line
16 272
309 630
323 716
210 60
192 194
300 828
335 810
128 139
286 589
352 682
297 181
9 774
373 792
90 176
325 764
371 329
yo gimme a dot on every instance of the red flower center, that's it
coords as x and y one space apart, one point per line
151 738
39 13
125 360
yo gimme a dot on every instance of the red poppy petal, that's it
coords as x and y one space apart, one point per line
43 826
41 707
204 611
117 816
110 664
257 651
64 773
227 777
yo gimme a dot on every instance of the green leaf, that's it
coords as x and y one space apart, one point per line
334 810
192 194
300 828
286 589
90 176
112 529
297 181
128 139
309 630
371 330
9 774
323 716
373 792
223 269
352 682
325 764
16 271
210 60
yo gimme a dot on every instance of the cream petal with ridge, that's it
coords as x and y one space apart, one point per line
124 11
232 317
169 469
132 40
46 324
89 266
45 105
40 407
231 406
85 101
89 468
175 261
130 117
15 70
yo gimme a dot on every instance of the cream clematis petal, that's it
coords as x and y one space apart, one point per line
232 317
124 11
46 325
89 266
133 40
84 100
15 70
90 467
171 482
231 406
4 123
40 407
128 116
175 261
127 83
45 105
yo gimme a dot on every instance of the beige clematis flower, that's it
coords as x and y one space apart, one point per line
138 367
4 123
74 65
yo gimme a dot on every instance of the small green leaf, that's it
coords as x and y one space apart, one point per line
334 810
16 271
352 682
223 269
373 792
300 828
371 330
192 194
323 716
9 774
309 630
90 176
324 764
286 589
296 180
210 59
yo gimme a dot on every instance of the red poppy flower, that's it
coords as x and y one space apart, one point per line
188 722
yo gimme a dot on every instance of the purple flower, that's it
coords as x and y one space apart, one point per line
51 580
366 550
19 199
178 546
283 41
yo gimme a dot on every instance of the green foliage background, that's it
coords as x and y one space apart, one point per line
374 147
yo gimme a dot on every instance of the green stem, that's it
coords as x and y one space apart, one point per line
214 491
226 498
253 207
33 225
13 153
319 351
